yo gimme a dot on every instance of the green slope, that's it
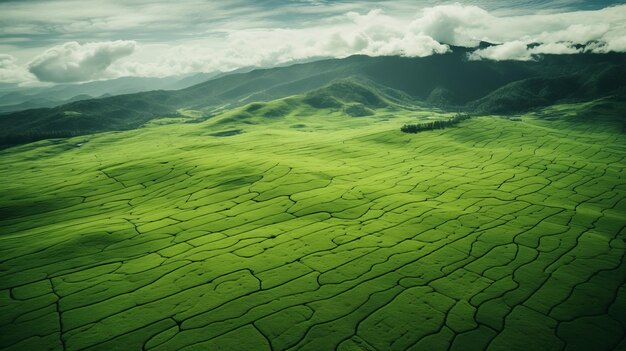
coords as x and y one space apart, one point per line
448 81
295 227
544 91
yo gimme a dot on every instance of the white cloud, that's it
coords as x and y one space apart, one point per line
556 33
560 48
411 45
452 24
522 51
375 33
514 50
372 33
73 62
11 72
215 36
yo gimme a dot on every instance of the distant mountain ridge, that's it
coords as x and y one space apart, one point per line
17 99
446 81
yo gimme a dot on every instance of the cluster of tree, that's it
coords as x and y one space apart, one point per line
7 140
420 127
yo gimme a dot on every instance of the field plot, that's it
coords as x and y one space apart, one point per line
318 233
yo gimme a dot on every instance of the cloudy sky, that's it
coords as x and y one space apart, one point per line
84 40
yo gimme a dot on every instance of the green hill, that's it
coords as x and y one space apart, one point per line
446 81
537 92
282 226
344 98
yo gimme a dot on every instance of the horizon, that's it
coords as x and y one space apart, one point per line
44 43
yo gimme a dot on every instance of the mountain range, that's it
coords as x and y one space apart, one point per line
448 81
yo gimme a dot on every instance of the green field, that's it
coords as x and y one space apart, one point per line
279 226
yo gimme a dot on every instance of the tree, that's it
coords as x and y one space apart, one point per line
420 127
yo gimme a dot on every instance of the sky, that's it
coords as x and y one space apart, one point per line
69 41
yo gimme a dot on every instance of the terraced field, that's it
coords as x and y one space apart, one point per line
322 232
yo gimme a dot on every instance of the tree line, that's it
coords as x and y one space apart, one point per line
420 127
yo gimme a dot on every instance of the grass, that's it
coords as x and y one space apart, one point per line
310 229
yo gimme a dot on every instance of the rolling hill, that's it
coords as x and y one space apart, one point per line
293 225
446 81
